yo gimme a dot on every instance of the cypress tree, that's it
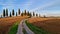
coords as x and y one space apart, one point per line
36 15
4 13
28 13
10 14
33 14
18 11
25 12
7 12
44 16
22 14
13 12
39 15
1 16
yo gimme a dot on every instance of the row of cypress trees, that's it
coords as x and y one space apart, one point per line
5 13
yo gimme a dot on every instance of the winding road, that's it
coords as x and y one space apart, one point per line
23 25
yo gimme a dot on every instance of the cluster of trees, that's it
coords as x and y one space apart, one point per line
11 14
5 13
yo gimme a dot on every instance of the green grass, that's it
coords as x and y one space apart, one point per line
35 29
24 31
13 29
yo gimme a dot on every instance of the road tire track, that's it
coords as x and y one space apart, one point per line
20 28
27 29
23 25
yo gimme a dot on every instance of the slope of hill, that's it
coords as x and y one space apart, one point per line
49 24
6 23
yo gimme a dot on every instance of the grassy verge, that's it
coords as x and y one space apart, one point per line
13 29
35 29
24 31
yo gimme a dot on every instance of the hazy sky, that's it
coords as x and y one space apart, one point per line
44 7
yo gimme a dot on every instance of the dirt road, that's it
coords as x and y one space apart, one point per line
23 25
20 28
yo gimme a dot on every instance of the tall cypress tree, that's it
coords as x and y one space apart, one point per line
36 15
1 16
18 11
25 12
7 12
28 13
39 15
10 14
33 14
44 16
13 12
4 13
22 14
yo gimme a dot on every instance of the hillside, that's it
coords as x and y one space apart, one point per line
6 23
50 24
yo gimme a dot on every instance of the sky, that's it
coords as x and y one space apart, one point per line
43 7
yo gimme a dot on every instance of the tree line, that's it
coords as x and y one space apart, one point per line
11 14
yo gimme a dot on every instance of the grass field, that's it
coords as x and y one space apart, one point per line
46 24
14 28
7 23
24 31
50 24
35 29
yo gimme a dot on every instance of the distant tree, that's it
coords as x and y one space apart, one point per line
4 13
22 14
28 13
44 16
13 12
25 12
18 11
39 15
36 15
1 16
33 14
10 14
